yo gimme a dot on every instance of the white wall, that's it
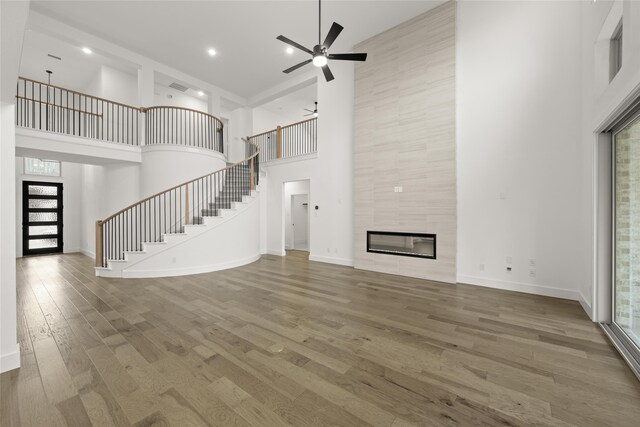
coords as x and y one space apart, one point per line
13 18
264 119
520 163
240 126
290 189
164 166
330 175
71 180
178 99
93 206
104 191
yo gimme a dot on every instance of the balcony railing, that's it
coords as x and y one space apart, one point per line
51 108
288 141
183 126
55 109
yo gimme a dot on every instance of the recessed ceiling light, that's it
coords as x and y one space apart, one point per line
289 50
87 50
200 93
211 52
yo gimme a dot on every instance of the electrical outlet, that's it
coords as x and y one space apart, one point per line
508 269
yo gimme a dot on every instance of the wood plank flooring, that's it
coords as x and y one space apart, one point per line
285 341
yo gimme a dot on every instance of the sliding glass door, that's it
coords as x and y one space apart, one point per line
626 219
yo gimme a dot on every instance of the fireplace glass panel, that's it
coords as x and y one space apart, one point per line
406 244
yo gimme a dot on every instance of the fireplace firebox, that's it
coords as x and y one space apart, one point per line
418 245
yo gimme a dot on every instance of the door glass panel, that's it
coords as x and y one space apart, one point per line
42 230
627 230
43 243
43 203
43 190
42 216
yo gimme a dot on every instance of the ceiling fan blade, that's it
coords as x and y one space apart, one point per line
348 56
308 115
295 67
328 75
294 44
306 109
332 35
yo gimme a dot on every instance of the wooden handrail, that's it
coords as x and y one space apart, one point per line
299 123
156 107
263 133
59 106
79 93
283 127
184 183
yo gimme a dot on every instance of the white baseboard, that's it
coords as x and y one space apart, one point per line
276 253
88 253
10 361
331 260
188 270
585 305
521 287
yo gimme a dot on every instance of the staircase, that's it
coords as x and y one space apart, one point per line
206 224
233 190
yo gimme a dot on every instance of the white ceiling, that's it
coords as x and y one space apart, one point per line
291 107
249 59
75 70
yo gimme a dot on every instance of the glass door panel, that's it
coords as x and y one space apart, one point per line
41 217
627 230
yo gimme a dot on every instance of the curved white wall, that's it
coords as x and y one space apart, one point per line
164 166
228 241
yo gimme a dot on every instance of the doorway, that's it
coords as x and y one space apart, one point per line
297 215
42 221
300 221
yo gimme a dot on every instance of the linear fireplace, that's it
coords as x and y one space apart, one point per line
405 244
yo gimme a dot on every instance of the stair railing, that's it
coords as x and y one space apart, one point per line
183 126
52 108
288 141
170 210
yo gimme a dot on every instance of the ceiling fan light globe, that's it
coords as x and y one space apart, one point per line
315 114
320 60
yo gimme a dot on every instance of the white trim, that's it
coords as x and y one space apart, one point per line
585 305
276 252
189 270
180 148
521 287
331 260
11 360
88 253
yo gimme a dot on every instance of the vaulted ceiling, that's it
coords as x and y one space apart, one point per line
249 59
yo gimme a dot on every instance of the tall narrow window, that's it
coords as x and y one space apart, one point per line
615 58
41 167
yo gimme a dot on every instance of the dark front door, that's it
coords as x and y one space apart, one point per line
41 217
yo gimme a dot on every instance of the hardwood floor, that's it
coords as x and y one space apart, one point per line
284 341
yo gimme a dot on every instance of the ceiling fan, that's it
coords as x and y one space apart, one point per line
313 112
320 55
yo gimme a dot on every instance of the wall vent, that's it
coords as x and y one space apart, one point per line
178 86
54 57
